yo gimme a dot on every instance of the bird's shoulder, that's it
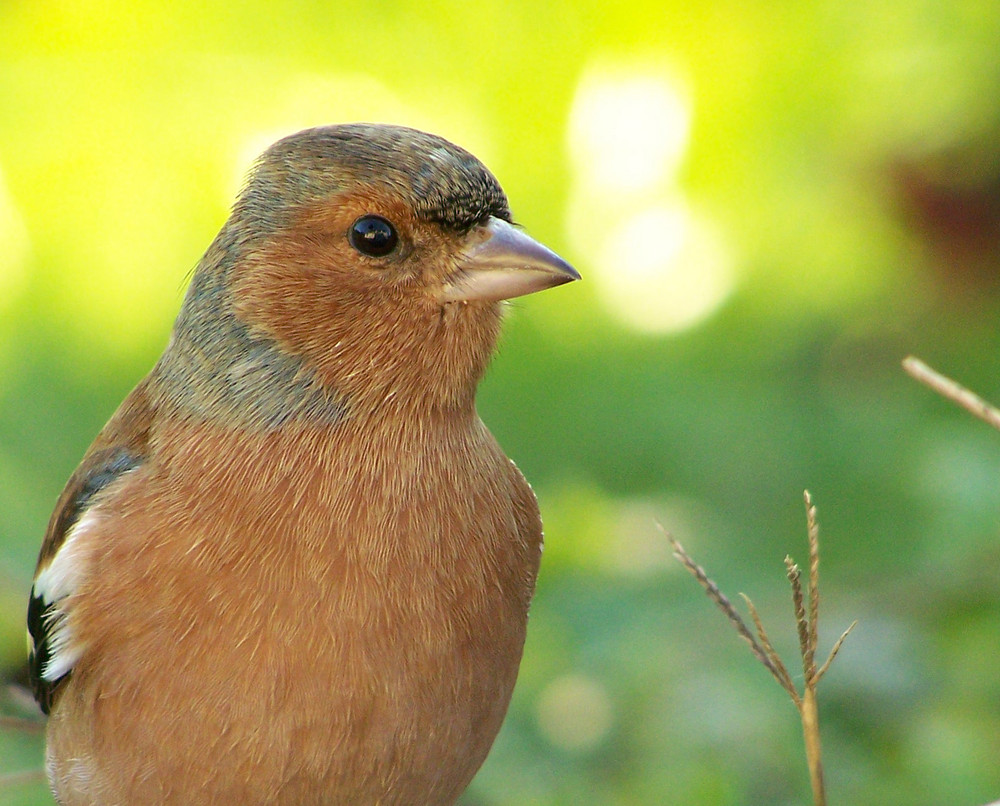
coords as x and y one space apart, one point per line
121 448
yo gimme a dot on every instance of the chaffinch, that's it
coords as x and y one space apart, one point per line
295 566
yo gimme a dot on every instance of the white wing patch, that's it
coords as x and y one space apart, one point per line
56 582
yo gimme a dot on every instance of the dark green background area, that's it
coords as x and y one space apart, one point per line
847 158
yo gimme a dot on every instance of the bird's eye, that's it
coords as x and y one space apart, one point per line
372 235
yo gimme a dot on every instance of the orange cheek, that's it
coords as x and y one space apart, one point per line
288 292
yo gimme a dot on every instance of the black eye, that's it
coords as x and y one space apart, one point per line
372 235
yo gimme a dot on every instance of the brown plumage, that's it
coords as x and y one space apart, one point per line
295 567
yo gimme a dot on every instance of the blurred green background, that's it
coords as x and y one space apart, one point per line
771 205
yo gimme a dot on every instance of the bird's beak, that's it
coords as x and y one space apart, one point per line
507 263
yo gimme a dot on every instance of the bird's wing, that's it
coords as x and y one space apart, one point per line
121 448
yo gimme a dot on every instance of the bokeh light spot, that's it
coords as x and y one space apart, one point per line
659 268
575 713
628 131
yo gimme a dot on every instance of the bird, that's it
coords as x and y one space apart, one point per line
295 567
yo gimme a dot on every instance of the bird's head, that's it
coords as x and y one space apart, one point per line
377 256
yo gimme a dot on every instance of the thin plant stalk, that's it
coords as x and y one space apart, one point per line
806 608
952 390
